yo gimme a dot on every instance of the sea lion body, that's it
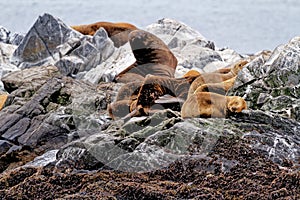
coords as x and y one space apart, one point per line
208 104
152 57
118 32
216 77
3 98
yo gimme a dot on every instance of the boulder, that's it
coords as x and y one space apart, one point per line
116 63
273 84
8 37
192 50
4 146
51 42
6 50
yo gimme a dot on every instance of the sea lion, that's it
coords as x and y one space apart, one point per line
118 32
219 88
142 96
152 57
154 87
208 104
3 98
206 78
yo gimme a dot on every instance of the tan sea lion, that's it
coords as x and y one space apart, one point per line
152 57
208 104
207 78
219 88
118 32
3 98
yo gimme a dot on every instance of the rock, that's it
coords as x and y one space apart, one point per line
4 146
106 71
158 141
177 34
43 160
273 84
51 42
106 148
45 108
6 50
10 38
192 50
28 81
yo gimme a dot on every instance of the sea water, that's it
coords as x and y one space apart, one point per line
246 26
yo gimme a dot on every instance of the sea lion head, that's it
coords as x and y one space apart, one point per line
236 104
238 66
191 75
148 48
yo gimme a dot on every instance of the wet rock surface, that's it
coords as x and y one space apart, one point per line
58 142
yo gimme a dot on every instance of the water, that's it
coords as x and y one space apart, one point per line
246 26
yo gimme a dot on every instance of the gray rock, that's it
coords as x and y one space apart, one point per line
274 84
4 34
192 50
6 50
43 160
45 108
154 146
4 146
28 80
106 71
51 42
10 38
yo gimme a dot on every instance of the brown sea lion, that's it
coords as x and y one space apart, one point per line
207 78
208 104
152 57
144 95
118 32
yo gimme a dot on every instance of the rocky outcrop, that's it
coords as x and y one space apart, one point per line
51 42
56 139
44 108
274 84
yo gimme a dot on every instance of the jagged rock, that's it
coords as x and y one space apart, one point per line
4 146
274 84
102 148
177 34
10 38
45 108
192 50
51 42
106 71
6 50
